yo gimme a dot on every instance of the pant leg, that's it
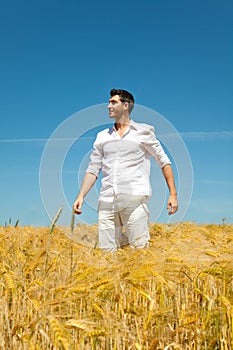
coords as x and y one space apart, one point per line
109 227
135 218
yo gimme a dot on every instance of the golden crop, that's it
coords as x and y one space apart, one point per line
56 293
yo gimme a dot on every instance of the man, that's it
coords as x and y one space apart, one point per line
122 152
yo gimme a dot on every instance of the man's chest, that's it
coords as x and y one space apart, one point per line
122 147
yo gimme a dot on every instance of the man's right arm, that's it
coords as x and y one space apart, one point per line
88 182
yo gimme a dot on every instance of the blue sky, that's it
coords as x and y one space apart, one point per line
61 57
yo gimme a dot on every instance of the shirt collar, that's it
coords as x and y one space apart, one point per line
132 125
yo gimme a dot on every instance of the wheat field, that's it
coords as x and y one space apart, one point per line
57 293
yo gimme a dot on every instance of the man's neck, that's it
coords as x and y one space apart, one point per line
122 123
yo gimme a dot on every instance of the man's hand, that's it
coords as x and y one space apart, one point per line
78 205
88 181
172 205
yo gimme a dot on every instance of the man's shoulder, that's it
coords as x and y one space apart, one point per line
102 134
142 126
107 130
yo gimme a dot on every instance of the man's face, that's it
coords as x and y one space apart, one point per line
115 107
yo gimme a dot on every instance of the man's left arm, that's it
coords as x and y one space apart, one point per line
172 204
153 146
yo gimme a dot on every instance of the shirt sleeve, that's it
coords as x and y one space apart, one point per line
95 163
154 147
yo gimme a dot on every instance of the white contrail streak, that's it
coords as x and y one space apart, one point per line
184 134
45 139
206 134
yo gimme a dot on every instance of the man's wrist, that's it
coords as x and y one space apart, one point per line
173 194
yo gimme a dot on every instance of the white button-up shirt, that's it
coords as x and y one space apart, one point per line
125 160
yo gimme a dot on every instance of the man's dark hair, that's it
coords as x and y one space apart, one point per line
125 96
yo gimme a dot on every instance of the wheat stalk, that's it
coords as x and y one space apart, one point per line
51 228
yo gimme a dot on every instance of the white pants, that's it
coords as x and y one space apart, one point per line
130 212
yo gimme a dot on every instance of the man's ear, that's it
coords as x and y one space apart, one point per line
126 105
